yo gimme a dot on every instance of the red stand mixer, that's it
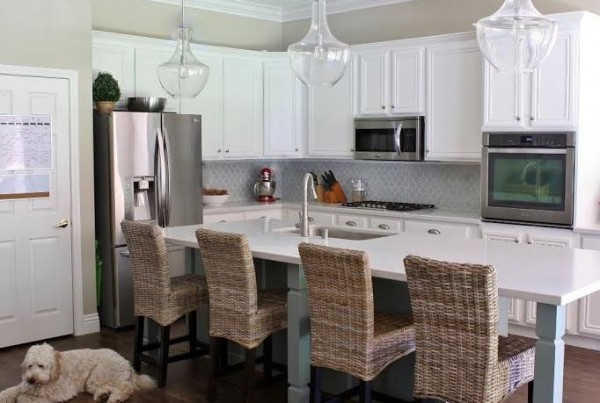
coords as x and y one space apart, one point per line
265 187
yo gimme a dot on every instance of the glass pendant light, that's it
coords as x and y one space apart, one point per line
183 75
517 38
319 58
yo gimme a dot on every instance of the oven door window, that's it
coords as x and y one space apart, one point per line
375 140
527 181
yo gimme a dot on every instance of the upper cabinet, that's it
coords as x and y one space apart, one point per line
283 109
118 60
330 119
454 92
390 81
147 84
545 98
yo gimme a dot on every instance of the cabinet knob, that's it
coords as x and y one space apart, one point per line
219 150
226 150
296 149
532 118
351 223
311 219
384 226
382 106
518 118
434 231
223 221
393 106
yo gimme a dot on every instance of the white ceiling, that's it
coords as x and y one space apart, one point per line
278 10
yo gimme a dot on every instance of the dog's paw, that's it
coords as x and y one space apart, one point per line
102 394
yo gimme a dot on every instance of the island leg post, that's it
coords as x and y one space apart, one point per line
549 354
298 336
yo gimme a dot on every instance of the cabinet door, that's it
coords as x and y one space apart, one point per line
435 228
552 88
454 102
331 124
408 81
147 61
283 110
373 83
502 99
117 60
589 307
242 108
209 104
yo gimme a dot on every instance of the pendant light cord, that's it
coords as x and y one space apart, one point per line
182 13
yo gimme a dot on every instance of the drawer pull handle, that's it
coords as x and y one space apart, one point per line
264 216
384 226
311 219
223 221
351 223
434 232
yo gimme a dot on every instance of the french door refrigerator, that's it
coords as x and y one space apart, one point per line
147 166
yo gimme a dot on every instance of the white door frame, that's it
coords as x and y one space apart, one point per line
82 324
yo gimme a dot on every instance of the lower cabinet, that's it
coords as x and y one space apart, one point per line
588 323
442 229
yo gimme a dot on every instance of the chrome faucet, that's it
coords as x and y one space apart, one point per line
308 178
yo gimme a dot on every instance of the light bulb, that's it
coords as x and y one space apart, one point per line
319 58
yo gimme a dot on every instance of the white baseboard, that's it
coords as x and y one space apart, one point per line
90 324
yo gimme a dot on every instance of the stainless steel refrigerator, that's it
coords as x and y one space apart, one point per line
147 166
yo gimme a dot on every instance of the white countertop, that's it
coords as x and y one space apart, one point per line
536 273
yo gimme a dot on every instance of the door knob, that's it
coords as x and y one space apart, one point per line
62 224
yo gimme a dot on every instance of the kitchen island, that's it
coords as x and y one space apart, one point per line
550 277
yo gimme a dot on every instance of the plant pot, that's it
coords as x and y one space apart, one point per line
105 106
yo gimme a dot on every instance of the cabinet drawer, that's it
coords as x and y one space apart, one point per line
213 218
252 215
352 221
386 224
434 228
320 218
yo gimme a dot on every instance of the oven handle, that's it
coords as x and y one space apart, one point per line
398 138
559 151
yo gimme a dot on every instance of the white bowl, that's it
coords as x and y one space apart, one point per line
214 200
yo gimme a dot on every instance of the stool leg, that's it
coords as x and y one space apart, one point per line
530 392
365 392
215 356
193 340
249 373
163 360
317 384
268 357
137 343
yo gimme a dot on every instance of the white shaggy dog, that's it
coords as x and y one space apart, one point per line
51 376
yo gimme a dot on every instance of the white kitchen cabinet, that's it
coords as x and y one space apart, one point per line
283 111
454 107
588 322
147 60
354 221
269 213
117 59
546 98
386 224
242 108
391 81
209 104
331 119
523 313
441 229
320 218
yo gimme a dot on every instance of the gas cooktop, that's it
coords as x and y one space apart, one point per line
383 205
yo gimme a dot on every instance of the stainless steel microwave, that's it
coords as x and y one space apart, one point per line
390 139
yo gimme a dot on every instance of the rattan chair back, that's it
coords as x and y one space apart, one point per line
340 294
149 269
231 278
455 312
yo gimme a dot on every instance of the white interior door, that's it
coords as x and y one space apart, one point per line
36 293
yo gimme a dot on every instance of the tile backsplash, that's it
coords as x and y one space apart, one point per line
445 185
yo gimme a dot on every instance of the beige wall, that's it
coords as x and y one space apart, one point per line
158 20
420 18
57 34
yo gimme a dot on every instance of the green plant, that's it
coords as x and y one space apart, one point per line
106 88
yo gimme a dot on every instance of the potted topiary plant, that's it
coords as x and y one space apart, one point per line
106 92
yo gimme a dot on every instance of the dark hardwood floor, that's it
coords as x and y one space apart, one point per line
187 379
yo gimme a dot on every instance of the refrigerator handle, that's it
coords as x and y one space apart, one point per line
167 171
160 180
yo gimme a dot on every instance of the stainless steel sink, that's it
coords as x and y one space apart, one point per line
339 233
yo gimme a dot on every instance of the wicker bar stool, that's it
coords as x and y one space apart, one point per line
460 357
346 333
239 312
160 297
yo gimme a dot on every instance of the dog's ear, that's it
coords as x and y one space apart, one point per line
56 363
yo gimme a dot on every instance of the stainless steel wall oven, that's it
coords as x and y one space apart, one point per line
528 178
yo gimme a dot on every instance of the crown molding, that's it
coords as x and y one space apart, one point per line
253 9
